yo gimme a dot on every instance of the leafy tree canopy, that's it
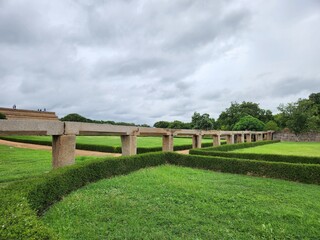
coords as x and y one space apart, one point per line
162 124
301 116
236 111
202 121
249 123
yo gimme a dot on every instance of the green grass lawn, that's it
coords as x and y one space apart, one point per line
170 202
20 163
115 141
286 148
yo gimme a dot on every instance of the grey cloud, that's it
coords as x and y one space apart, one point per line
144 60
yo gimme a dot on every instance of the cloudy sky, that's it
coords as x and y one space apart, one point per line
145 61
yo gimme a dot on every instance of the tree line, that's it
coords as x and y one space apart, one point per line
298 117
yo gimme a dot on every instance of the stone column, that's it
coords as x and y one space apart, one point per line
242 138
63 150
248 137
259 137
230 139
216 140
167 143
129 145
196 141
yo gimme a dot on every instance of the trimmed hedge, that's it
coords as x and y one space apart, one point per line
104 148
305 173
259 156
21 202
231 147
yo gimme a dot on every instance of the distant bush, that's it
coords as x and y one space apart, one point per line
249 123
74 117
2 116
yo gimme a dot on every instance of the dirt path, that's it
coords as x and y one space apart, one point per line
183 152
42 147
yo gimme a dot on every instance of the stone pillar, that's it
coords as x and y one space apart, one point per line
196 141
216 140
230 139
242 138
167 143
269 136
259 137
63 150
248 137
129 145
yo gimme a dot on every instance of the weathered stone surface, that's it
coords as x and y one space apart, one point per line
78 128
63 150
216 140
31 127
167 143
129 145
196 141
291 137
230 139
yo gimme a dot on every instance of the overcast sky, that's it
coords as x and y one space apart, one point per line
145 61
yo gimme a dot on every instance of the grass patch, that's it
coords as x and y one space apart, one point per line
311 149
170 202
21 163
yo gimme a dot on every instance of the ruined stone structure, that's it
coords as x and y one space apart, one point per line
291 137
64 136
13 114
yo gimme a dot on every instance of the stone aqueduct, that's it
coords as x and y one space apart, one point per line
64 135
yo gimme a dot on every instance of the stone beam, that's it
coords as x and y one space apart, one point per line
76 128
31 127
144 131
63 150
167 143
129 145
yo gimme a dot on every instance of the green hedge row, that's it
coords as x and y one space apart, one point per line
305 173
104 148
21 202
259 156
231 147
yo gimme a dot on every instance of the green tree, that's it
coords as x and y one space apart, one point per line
301 116
162 124
249 123
74 117
271 125
202 121
236 111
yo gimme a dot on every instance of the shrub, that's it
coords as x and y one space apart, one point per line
256 156
306 173
2 116
21 202
230 147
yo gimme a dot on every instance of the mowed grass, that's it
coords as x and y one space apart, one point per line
171 202
286 148
20 163
115 141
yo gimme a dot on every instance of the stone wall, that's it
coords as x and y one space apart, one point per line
291 137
